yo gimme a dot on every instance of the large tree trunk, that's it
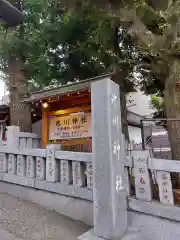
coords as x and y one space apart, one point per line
119 78
20 114
172 108
124 113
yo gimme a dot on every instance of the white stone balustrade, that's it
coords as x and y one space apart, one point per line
68 173
22 140
72 172
29 140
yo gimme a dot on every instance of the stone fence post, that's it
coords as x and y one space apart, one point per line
12 136
109 194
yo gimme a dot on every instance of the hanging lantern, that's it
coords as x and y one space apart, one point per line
45 105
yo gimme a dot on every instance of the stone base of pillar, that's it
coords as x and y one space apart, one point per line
89 236
132 234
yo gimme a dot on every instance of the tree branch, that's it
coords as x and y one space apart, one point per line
138 31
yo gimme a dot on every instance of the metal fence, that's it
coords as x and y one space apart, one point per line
155 136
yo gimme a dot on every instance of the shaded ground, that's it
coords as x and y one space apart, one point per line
21 220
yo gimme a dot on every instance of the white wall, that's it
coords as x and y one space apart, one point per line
139 103
135 134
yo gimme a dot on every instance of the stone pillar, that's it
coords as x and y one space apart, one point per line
65 172
52 164
110 210
78 174
22 142
142 177
36 143
40 168
109 193
29 143
89 175
21 166
12 164
3 163
12 136
30 167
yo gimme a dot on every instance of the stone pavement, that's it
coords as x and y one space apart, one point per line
21 220
4 235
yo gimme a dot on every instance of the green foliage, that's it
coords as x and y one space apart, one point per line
59 45
158 105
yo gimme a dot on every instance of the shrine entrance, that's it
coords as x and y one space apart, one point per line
88 114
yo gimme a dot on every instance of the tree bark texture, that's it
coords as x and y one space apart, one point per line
119 78
172 108
20 113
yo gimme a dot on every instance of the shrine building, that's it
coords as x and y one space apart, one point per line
63 115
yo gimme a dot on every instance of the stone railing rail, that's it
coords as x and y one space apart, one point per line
67 173
22 139
29 140
70 173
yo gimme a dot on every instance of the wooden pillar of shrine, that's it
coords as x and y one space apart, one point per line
45 126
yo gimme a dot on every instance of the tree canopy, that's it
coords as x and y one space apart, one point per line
154 29
59 44
62 44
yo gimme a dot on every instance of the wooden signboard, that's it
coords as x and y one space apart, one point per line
71 126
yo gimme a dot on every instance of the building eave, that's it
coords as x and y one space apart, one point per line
134 119
10 14
53 92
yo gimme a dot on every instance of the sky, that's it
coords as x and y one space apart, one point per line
2 86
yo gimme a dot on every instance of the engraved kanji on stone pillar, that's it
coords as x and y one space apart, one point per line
78 174
52 164
40 168
21 165
30 167
165 187
65 172
89 175
12 163
142 177
3 163
109 193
